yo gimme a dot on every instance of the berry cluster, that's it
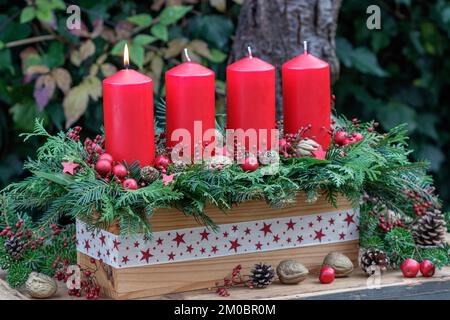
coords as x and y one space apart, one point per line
93 148
236 279
80 281
387 226
290 140
74 134
420 204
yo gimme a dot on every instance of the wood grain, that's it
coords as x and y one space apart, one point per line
138 282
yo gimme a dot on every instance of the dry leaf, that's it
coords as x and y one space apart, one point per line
75 104
93 87
36 69
108 69
175 47
93 70
157 66
200 47
87 49
43 90
220 5
63 79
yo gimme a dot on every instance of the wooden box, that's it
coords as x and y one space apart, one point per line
183 255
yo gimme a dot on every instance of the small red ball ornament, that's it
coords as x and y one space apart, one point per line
120 171
162 162
341 138
107 157
250 164
358 136
130 184
103 167
410 268
327 275
427 268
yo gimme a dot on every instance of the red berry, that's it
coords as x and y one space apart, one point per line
427 268
410 268
327 275
162 162
130 184
120 171
103 167
107 157
340 137
250 164
358 136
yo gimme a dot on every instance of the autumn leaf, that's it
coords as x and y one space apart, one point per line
108 69
200 47
43 90
174 47
220 5
93 87
86 50
63 79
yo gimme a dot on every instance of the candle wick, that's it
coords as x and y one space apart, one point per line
249 49
305 46
186 54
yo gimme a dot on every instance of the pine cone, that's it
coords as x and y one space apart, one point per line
262 275
305 148
373 258
178 167
430 229
149 174
14 246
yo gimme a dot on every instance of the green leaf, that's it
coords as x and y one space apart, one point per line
172 14
27 14
366 62
137 54
216 30
217 56
54 57
160 31
142 20
118 48
143 39
2 45
58 178
6 60
44 14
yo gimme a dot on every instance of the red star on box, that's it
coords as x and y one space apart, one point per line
225 234
189 249
214 249
204 235
310 224
319 153
179 239
288 240
234 228
342 236
202 250
349 219
108 253
319 218
234 245
171 256
319 235
99 254
258 245
125 259
116 244
87 246
331 221
276 238
102 239
69 167
247 231
167 178
299 239
159 242
146 255
290 224
266 228
136 244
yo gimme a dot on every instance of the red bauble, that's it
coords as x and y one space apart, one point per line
103 167
410 268
107 157
120 171
358 136
341 138
250 164
427 268
162 162
130 184
327 275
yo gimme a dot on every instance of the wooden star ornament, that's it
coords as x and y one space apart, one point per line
319 153
69 167
167 178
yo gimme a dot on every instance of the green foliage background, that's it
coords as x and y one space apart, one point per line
396 74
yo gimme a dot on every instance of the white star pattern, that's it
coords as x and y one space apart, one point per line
201 243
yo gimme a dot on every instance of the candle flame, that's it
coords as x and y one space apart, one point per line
126 56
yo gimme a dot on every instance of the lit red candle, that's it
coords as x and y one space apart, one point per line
128 116
251 98
306 97
190 99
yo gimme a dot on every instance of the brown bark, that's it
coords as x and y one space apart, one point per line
276 30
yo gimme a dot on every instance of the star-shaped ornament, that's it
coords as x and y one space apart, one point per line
167 178
69 167
319 153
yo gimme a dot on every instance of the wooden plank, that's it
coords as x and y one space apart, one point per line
170 219
129 283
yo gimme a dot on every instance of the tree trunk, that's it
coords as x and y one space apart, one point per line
276 29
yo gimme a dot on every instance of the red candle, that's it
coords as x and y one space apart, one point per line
128 116
306 97
190 102
251 98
